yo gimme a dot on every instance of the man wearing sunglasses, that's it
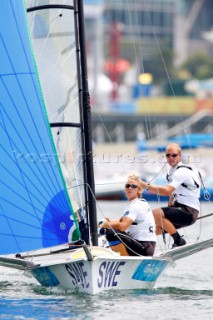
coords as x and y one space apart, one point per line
183 189
134 233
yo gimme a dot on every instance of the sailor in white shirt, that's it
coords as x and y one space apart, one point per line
143 224
136 228
183 189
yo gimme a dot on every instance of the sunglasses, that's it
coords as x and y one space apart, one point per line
133 186
173 155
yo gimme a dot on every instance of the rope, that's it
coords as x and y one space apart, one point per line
207 195
128 237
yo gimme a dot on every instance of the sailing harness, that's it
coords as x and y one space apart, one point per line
207 195
189 187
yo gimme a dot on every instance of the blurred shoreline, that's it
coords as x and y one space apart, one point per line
111 159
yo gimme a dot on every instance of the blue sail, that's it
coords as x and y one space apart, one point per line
35 209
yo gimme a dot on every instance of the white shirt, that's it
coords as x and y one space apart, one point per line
143 227
190 194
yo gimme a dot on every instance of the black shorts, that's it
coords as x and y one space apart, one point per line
180 215
134 247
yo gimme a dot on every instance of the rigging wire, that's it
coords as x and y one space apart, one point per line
139 62
139 65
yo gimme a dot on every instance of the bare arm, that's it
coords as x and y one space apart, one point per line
161 190
121 224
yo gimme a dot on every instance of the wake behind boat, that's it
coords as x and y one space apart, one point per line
48 224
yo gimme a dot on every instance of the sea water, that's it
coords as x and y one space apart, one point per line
183 292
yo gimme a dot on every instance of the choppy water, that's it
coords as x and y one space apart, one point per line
183 292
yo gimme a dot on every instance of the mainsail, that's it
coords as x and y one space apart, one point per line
42 193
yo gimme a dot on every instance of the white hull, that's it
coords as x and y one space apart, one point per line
107 271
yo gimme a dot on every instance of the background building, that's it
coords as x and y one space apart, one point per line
193 18
144 35
127 38
177 24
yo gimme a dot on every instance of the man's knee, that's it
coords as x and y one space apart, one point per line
158 214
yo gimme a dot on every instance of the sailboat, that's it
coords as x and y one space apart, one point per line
48 224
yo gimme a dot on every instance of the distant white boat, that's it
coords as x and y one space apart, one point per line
110 188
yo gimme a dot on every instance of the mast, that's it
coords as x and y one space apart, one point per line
90 194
